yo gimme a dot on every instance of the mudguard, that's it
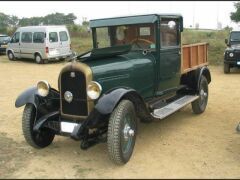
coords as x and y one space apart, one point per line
203 71
28 96
108 102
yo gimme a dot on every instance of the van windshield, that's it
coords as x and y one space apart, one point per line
139 36
235 36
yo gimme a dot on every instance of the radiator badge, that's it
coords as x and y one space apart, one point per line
68 96
72 74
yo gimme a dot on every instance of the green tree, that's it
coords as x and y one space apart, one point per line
235 16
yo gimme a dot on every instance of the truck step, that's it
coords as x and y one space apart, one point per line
173 106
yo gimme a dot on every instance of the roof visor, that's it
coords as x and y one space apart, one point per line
123 21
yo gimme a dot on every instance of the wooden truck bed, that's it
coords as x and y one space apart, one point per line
194 56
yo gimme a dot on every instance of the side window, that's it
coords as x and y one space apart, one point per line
15 38
53 37
38 37
169 33
26 37
63 36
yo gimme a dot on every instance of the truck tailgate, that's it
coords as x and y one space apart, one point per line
194 56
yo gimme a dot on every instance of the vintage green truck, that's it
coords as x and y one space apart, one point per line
137 70
232 52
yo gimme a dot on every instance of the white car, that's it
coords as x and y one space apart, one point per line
41 43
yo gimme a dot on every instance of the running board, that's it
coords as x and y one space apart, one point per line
173 106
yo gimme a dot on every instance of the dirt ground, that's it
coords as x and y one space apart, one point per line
183 145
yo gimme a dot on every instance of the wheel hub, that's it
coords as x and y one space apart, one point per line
203 94
128 132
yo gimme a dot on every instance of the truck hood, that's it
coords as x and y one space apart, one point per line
133 70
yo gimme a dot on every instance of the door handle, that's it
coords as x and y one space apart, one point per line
179 52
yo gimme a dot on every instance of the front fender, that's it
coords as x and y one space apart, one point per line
28 96
108 102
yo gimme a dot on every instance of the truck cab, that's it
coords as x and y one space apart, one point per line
137 70
232 52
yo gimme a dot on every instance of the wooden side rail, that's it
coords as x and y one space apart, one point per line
194 56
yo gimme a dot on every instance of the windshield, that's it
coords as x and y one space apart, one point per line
235 36
4 38
140 36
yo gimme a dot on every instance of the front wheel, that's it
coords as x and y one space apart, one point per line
39 139
122 129
199 105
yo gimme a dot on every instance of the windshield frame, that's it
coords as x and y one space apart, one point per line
95 43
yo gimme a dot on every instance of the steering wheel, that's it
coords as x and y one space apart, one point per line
135 41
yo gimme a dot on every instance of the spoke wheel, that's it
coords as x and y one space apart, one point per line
199 105
122 130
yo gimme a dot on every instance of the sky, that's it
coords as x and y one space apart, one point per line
205 13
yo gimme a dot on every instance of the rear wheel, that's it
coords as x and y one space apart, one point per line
199 105
226 68
39 139
11 56
38 59
122 129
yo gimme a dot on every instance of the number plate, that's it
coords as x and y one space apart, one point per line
67 127
238 63
4 46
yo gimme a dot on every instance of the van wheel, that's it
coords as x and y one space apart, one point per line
226 68
38 59
199 105
122 129
11 56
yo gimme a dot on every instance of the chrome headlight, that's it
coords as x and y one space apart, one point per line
231 54
94 90
43 88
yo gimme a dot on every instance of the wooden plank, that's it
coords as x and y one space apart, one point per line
193 56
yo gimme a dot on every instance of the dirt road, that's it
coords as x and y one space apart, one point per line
182 146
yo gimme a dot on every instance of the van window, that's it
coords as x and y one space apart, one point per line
38 37
53 37
63 36
15 38
26 37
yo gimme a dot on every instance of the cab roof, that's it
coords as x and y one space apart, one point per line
125 20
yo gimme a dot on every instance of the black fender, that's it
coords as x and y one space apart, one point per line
109 101
192 78
31 96
28 96
204 71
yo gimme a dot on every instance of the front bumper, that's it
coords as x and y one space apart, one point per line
57 57
232 62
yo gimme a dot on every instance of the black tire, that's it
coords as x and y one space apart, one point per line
11 56
38 59
35 139
119 141
199 105
226 68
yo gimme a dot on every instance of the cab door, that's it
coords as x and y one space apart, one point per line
169 56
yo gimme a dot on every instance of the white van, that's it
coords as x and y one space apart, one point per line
41 43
